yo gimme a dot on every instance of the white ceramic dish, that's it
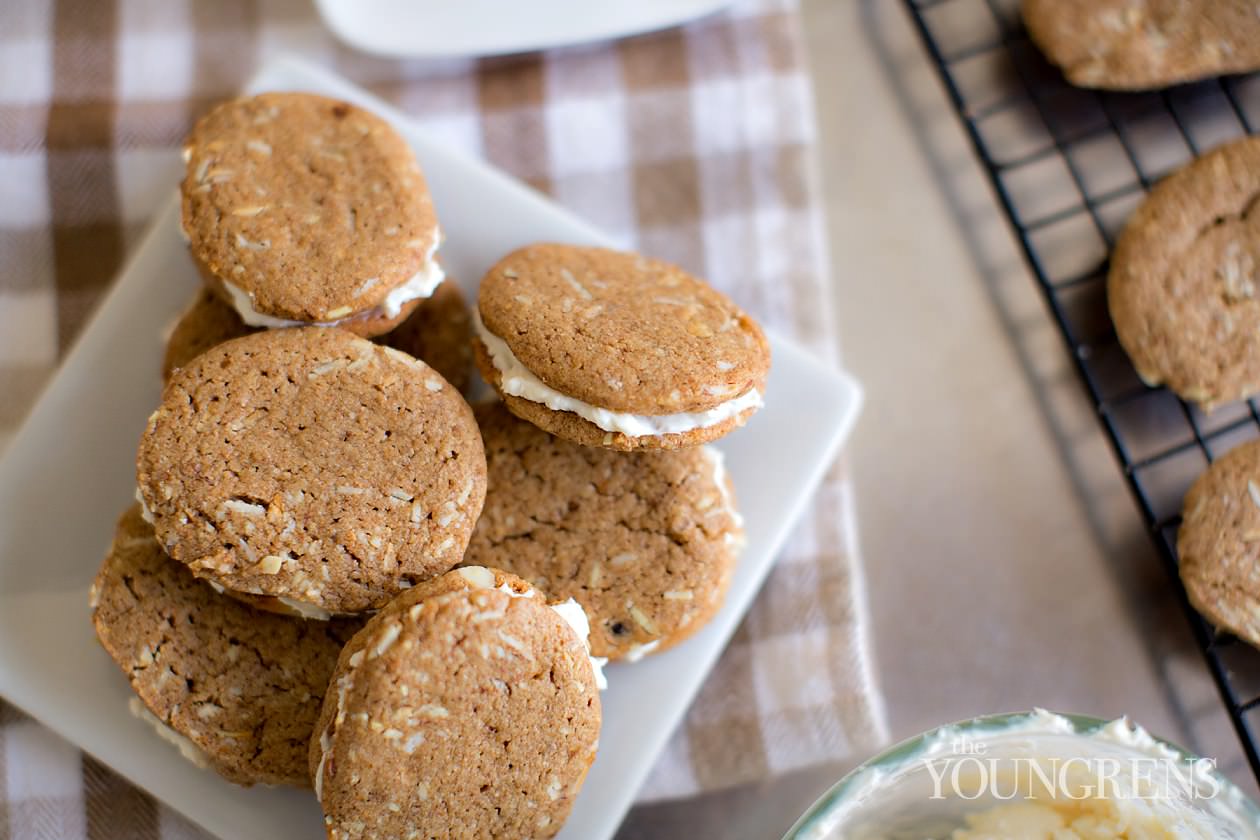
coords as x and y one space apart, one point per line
70 472
443 29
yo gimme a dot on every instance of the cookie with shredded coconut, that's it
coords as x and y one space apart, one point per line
1218 542
646 542
232 688
1183 286
467 707
301 209
437 332
1145 44
313 466
614 349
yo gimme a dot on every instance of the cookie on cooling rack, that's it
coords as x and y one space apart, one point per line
467 708
305 210
1218 543
314 466
645 541
235 689
1183 285
1145 44
613 349
438 332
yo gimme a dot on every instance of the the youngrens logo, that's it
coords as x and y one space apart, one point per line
971 772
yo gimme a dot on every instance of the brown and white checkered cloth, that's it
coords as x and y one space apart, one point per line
693 144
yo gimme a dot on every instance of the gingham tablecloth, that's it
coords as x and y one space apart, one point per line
693 144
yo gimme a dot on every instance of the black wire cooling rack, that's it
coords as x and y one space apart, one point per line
1068 166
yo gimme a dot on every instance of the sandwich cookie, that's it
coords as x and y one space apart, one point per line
611 349
1182 286
314 466
304 210
437 332
1218 543
466 708
645 541
234 689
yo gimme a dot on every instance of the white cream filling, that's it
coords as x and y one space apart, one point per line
302 608
571 611
187 748
718 459
637 652
145 513
421 285
325 745
344 683
519 381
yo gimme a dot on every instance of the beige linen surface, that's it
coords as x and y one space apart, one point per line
693 144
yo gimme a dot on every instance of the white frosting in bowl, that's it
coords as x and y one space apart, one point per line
1033 775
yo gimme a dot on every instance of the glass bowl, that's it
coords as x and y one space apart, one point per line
924 788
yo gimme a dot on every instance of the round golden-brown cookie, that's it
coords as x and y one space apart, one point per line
614 349
313 210
440 333
437 332
236 689
1182 287
471 712
646 542
1145 44
1219 542
312 465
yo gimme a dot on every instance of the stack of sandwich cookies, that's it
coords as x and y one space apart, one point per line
302 210
646 541
467 709
613 349
235 689
299 483
438 332
312 467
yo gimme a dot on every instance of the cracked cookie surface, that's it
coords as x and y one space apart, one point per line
244 687
314 208
458 711
1144 44
312 465
1183 286
646 542
1218 543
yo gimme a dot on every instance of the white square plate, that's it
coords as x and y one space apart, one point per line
70 472
441 28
